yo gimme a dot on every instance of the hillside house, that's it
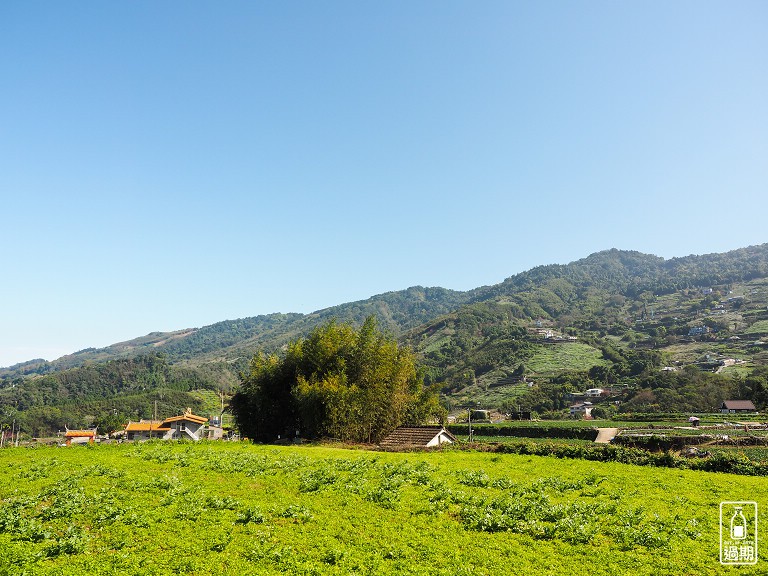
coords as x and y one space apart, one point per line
593 393
79 436
737 406
415 437
698 331
186 426
582 409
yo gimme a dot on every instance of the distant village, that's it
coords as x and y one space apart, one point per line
186 426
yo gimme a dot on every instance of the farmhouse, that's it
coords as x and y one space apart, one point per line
736 406
409 438
79 437
584 408
187 426
145 430
698 330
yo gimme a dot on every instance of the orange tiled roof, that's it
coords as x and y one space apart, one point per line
188 416
146 426
79 433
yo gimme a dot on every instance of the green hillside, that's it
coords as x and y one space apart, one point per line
612 320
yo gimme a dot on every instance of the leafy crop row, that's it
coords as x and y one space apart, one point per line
204 508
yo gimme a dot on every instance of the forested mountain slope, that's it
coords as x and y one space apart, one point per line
614 318
233 340
611 318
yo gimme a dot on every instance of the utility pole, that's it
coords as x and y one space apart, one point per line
469 419
152 423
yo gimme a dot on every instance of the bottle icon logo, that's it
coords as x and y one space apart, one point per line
738 524
738 533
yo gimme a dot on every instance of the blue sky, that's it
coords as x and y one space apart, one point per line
166 165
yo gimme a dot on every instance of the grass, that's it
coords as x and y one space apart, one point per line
494 396
678 431
581 423
565 356
227 508
741 370
436 342
755 453
211 404
759 327
690 352
514 439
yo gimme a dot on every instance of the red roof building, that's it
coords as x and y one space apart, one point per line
79 437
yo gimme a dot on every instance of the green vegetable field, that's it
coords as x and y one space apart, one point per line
229 508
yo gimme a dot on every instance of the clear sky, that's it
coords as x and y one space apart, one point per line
166 165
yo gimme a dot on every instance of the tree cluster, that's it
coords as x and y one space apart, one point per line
697 390
338 382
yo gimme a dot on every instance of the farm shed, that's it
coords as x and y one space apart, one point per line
79 437
408 438
735 406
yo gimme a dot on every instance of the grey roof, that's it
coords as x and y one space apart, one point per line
413 437
739 405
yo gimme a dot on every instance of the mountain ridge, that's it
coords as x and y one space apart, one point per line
246 334
613 319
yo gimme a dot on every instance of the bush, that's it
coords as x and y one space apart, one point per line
516 430
729 463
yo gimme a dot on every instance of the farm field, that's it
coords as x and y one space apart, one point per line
237 508
574 355
515 439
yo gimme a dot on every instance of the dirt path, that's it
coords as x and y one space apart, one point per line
605 435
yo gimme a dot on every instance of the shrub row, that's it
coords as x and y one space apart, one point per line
670 416
718 462
572 433
656 442
651 417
